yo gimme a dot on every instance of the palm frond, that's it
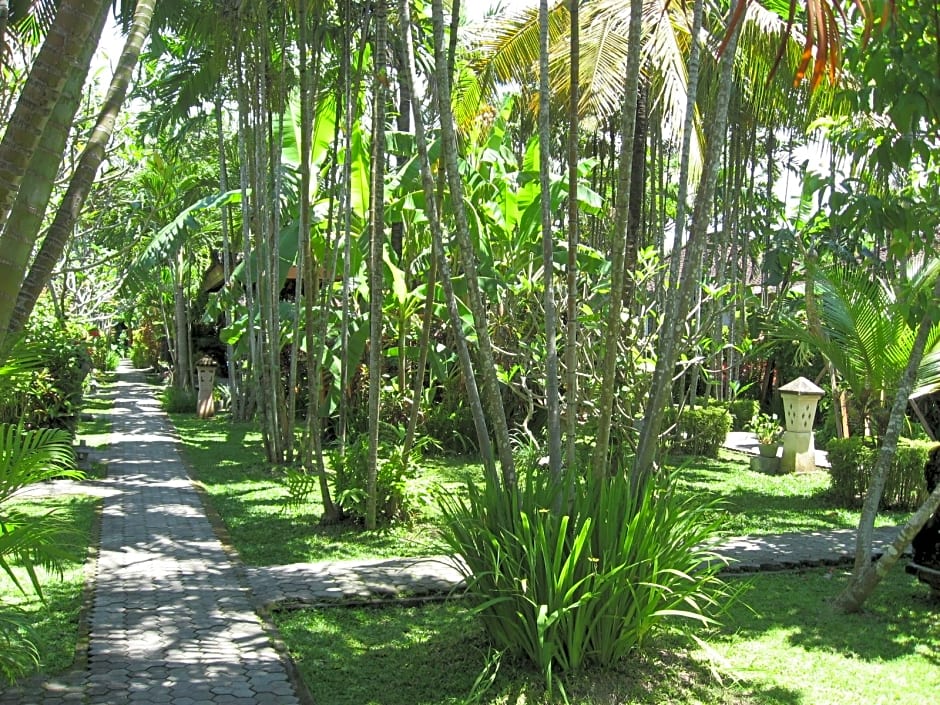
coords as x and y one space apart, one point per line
28 456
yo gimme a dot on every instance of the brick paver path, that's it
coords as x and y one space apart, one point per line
172 620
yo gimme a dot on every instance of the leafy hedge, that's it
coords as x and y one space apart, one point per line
47 390
742 411
852 460
702 431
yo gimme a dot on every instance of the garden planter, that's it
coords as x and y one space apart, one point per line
767 450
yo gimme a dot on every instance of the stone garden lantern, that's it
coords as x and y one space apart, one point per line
799 408
205 373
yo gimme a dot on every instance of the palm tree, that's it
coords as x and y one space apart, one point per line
867 574
74 23
571 265
490 386
552 401
376 263
83 178
864 333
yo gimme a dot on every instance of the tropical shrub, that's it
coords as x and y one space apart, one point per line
583 572
145 347
702 430
178 401
104 354
742 411
852 460
48 392
396 500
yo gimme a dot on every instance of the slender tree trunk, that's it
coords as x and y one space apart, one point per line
552 402
83 178
865 577
678 241
637 195
234 371
424 345
490 386
434 222
690 279
4 20
571 270
312 450
863 583
74 23
627 131
377 244
181 378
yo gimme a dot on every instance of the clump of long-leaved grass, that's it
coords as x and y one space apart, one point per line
582 572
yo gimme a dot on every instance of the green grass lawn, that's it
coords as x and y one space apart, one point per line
54 623
780 645
252 500
755 503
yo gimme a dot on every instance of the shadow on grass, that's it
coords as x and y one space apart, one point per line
53 625
435 653
900 620
266 532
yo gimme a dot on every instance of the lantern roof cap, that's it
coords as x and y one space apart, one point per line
205 361
802 387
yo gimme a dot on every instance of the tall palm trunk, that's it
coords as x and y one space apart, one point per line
182 357
434 222
552 402
690 277
571 269
490 387
84 177
62 49
377 243
621 220
312 458
637 193
240 400
29 209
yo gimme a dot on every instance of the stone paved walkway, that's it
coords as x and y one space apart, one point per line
174 619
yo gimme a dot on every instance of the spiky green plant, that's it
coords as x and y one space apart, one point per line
592 582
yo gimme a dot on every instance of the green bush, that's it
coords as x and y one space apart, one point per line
702 431
590 584
852 460
47 393
104 354
395 500
178 401
742 411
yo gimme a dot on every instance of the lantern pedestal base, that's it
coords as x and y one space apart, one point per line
799 452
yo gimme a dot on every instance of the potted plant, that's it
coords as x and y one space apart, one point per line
767 429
